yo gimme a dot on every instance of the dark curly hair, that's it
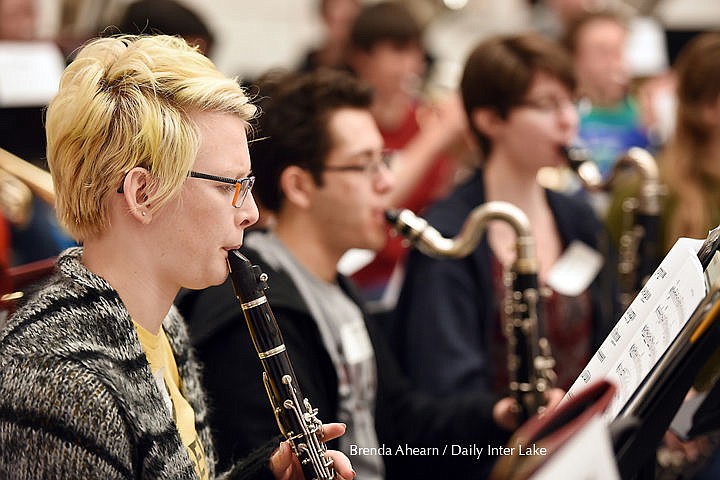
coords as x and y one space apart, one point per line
293 126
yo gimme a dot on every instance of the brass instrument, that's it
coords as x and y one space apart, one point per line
295 416
530 363
639 248
18 180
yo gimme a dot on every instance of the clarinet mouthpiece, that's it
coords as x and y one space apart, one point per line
581 163
392 216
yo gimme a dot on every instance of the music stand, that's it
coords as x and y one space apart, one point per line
639 428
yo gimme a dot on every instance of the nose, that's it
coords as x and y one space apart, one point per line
248 214
385 178
568 116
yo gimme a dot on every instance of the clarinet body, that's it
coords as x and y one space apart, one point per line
639 247
530 364
295 416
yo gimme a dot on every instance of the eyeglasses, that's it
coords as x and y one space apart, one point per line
372 168
548 104
242 185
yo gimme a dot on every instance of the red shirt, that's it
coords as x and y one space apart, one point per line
373 278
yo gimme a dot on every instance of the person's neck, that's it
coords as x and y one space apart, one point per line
390 108
307 245
146 297
504 182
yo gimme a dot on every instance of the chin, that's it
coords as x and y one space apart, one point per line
210 279
377 244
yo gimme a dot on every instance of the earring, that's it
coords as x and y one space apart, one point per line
143 213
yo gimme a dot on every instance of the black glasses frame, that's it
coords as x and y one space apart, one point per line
371 168
242 185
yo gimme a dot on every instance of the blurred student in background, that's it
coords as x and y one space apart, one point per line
448 326
386 51
337 17
610 119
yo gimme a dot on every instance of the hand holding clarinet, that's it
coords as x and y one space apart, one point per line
285 465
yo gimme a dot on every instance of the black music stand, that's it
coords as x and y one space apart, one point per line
700 414
639 428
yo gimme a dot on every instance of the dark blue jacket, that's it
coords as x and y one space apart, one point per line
441 325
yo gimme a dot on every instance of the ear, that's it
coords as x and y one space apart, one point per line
486 121
135 193
357 59
297 185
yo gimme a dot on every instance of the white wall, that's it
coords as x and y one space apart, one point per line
255 35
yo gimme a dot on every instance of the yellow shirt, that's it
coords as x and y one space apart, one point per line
162 364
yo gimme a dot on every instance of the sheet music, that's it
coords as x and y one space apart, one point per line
648 326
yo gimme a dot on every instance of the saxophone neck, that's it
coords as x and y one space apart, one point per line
644 163
431 242
636 158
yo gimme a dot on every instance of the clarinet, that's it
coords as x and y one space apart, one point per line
295 416
530 363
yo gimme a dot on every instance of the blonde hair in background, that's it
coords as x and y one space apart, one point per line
126 102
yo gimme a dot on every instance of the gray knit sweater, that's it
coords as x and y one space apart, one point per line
77 398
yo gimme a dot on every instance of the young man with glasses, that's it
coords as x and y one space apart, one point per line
323 173
97 377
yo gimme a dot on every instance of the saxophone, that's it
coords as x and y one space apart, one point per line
639 246
297 419
530 363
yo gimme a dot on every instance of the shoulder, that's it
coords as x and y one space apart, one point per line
576 219
572 208
60 404
449 214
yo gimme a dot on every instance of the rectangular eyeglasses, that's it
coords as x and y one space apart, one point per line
242 185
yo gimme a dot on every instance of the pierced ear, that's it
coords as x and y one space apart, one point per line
297 185
135 192
486 120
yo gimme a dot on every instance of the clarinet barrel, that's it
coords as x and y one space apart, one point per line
297 420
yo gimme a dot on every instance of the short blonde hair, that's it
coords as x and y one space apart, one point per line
126 102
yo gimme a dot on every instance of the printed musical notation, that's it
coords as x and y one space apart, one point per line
649 325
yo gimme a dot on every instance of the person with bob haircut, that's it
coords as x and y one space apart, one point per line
448 330
148 151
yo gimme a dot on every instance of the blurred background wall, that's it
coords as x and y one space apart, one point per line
253 35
